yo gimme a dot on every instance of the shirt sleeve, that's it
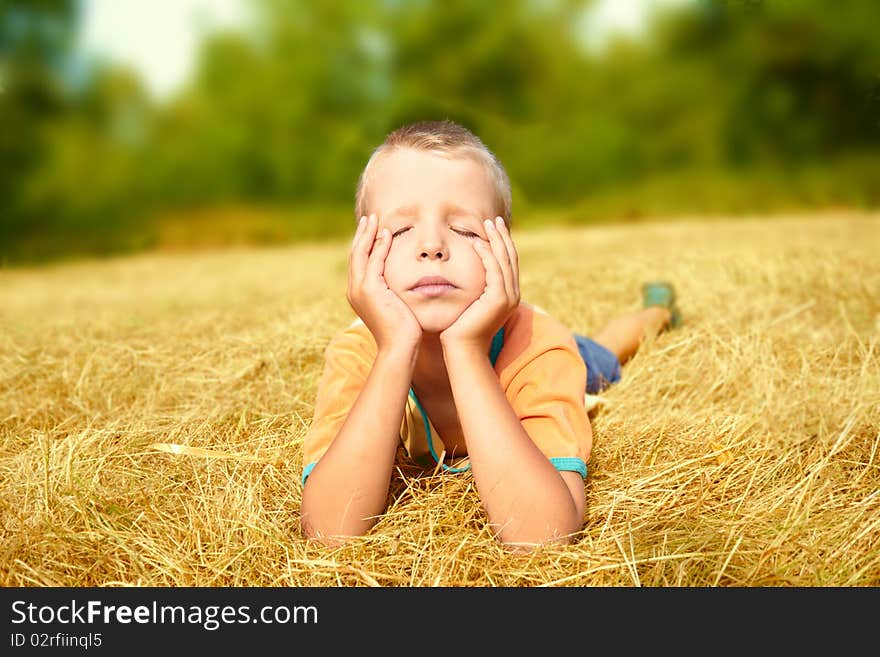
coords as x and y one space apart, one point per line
347 363
547 394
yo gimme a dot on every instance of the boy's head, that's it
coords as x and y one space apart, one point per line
432 184
446 139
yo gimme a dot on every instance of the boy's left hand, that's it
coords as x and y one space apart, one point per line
479 322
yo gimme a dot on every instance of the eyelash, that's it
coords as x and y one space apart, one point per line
463 233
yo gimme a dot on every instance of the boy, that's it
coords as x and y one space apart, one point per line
446 359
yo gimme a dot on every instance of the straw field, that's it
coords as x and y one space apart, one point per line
152 411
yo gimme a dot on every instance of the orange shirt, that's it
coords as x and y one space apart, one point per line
539 368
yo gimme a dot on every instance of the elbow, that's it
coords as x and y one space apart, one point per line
526 547
329 522
327 535
524 542
323 537
328 541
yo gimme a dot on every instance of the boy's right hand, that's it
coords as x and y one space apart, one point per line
389 319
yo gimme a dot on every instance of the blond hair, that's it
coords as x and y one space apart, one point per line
449 139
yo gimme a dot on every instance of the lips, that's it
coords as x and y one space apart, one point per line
431 287
425 281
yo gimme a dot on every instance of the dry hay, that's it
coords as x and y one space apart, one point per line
152 411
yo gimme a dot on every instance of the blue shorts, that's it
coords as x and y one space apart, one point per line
603 367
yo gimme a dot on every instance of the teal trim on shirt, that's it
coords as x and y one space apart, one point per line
308 470
447 468
497 344
570 463
495 349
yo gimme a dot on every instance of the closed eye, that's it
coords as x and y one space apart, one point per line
463 233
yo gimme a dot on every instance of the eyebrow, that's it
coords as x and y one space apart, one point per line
404 209
450 209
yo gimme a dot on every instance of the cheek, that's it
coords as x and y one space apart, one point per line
476 269
395 273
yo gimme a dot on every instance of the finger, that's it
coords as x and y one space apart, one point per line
494 276
500 251
353 251
511 252
376 264
356 242
370 234
363 244
358 230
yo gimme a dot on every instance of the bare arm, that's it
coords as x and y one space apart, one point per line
527 500
348 487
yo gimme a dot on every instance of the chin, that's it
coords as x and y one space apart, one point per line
438 320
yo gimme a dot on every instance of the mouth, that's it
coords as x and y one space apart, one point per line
432 286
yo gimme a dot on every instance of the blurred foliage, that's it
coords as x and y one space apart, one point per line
721 107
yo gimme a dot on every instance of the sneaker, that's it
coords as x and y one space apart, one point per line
662 293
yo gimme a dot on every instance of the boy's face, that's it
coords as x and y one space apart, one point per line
434 208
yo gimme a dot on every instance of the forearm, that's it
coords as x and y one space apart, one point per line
348 486
525 497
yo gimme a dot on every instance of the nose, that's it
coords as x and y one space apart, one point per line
433 254
432 246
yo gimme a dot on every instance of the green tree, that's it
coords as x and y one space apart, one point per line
35 41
